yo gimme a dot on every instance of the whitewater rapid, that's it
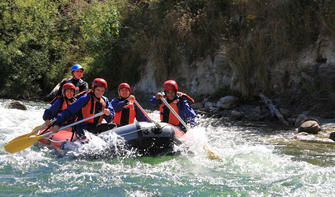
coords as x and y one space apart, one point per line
255 162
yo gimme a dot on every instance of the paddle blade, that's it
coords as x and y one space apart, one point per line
35 130
211 154
21 144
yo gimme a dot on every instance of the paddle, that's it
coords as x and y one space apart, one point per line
34 131
146 115
139 106
210 153
28 141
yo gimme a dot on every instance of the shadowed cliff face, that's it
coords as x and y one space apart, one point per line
311 72
282 48
200 77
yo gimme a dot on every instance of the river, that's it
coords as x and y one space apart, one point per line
257 160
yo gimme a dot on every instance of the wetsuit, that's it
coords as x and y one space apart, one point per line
126 112
86 106
181 106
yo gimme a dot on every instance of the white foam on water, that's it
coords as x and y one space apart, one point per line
251 164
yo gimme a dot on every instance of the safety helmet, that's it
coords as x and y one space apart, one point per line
124 85
99 82
68 86
170 84
76 67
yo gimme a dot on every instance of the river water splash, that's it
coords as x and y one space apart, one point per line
257 160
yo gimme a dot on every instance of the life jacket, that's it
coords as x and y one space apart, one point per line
126 115
65 104
76 91
77 84
80 94
186 97
166 115
93 106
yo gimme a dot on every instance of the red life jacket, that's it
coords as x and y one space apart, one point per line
80 94
166 115
93 106
126 115
65 104
186 97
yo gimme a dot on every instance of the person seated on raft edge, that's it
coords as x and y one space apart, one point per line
60 103
125 109
87 105
179 101
81 86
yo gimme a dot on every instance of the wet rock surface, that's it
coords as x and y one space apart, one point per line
16 105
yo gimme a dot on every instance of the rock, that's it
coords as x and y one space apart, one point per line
198 105
332 136
291 121
227 102
236 115
209 106
300 119
311 126
16 105
303 136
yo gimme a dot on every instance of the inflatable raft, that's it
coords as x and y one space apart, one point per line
149 139
56 140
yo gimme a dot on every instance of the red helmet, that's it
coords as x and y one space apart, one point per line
170 84
124 85
99 82
68 86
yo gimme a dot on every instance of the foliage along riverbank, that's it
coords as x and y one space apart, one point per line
41 40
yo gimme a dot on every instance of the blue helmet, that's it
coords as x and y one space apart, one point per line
76 67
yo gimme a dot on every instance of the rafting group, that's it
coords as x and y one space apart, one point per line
76 109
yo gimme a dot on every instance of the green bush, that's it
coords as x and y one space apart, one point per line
41 39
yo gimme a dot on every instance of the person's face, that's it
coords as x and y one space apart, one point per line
69 93
78 74
124 92
99 92
170 94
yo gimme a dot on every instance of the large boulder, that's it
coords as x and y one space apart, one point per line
16 105
311 126
300 119
227 102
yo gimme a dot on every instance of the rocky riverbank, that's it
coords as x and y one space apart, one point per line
234 109
307 122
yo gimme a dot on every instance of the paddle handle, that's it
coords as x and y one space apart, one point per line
43 125
139 106
75 123
174 112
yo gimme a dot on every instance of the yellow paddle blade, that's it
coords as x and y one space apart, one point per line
22 144
35 130
211 154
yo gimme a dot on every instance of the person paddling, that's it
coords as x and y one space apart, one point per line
125 109
87 105
179 101
60 104
81 86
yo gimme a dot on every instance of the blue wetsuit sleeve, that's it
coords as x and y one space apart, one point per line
187 113
72 110
140 116
111 109
154 101
52 111
118 105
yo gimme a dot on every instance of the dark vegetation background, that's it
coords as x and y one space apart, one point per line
41 39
